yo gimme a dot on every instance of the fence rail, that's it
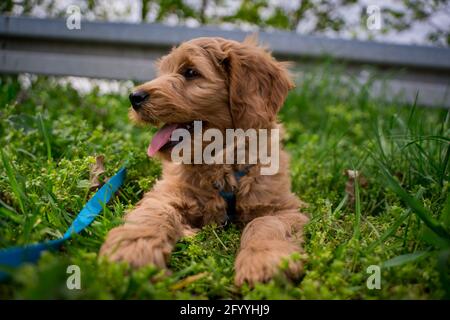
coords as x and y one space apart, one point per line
126 51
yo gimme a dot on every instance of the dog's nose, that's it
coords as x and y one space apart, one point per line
137 98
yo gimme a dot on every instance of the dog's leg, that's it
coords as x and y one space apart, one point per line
265 242
147 236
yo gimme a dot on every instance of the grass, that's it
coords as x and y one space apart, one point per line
399 219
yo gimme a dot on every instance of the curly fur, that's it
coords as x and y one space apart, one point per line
241 85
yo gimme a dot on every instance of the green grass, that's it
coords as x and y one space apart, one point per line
399 220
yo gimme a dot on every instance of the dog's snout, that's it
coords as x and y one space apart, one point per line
137 98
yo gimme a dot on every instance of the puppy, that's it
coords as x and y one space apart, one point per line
226 85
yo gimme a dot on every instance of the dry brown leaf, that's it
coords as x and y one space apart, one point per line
97 170
350 184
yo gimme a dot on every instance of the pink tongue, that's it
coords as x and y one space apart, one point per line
161 137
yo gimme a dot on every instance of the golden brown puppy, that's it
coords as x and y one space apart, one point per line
226 85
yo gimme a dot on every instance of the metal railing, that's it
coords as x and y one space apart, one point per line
127 51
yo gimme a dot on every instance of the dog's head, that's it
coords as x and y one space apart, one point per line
223 83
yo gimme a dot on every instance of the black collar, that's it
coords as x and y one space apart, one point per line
230 197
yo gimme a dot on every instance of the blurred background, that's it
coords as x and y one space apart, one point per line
399 46
403 21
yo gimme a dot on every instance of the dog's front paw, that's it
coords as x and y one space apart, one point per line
260 262
134 245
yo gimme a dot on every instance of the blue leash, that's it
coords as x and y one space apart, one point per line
15 256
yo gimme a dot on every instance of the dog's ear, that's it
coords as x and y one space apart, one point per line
258 84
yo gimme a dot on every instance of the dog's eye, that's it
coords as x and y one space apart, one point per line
190 73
